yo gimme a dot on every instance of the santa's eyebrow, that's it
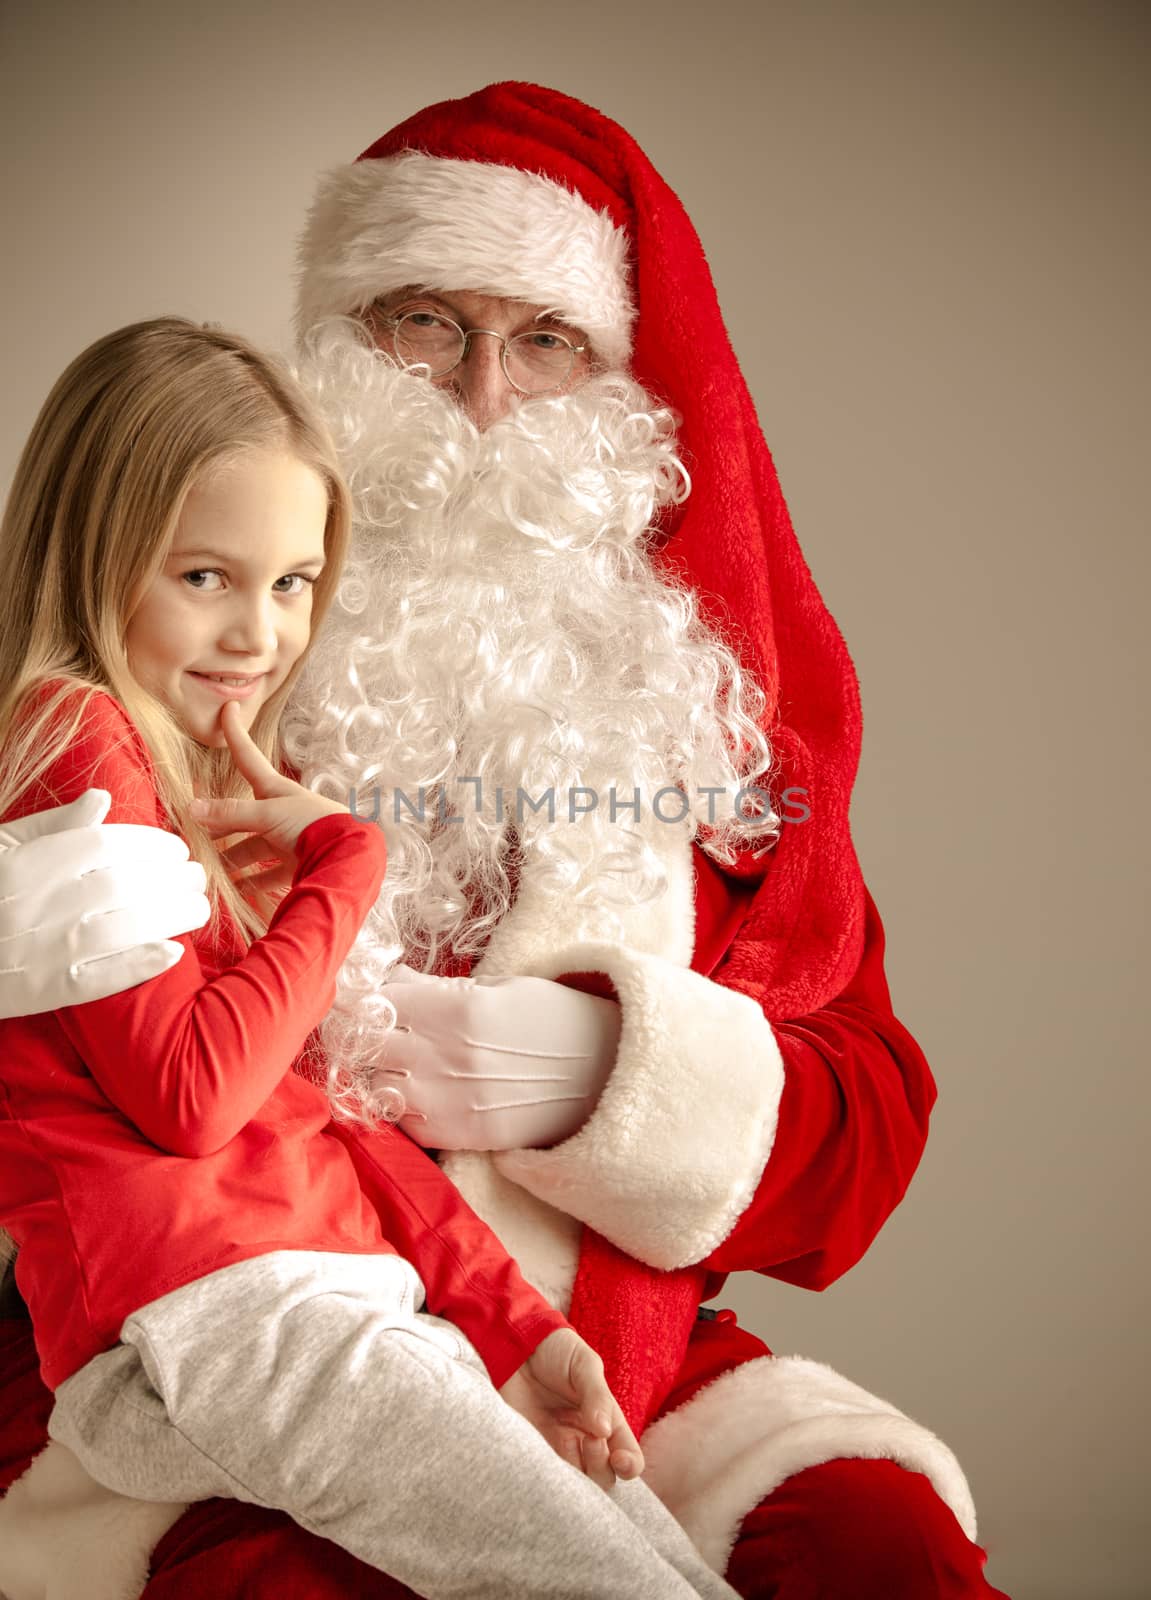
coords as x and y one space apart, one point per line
557 318
549 317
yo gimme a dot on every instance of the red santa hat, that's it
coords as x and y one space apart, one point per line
522 192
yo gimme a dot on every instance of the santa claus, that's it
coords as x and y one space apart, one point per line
624 973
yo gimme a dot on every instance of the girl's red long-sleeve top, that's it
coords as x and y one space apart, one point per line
161 1134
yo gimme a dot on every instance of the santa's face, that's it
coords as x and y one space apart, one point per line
494 350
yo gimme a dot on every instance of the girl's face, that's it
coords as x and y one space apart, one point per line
230 611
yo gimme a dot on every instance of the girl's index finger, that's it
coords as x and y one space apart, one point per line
251 762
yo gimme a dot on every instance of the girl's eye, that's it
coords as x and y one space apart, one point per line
298 581
195 579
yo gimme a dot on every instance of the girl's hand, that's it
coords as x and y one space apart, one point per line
279 811
263 873
561 1391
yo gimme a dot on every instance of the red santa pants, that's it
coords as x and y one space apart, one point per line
846 1530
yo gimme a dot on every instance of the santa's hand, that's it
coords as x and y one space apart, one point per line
88 910
561 1391
496 1063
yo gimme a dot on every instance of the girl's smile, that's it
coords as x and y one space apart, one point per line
229 687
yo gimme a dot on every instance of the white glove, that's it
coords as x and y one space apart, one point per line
495 1063
87 911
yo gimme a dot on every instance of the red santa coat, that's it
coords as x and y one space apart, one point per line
726 1139
766 1110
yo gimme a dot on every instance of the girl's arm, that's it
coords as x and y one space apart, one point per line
190 1057
467 1274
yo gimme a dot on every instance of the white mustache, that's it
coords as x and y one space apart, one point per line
605 452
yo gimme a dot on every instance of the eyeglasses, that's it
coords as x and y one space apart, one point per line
533 363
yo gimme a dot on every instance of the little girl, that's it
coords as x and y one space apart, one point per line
224 1282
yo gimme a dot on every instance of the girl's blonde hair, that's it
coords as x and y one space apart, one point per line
135 421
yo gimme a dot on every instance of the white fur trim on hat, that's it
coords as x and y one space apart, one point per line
380 224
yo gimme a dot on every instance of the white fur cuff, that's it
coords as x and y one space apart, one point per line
674 1151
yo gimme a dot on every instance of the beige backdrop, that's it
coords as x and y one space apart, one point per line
927 223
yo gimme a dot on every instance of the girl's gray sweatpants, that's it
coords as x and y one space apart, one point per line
312 1383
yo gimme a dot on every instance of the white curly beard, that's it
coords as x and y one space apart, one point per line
500 630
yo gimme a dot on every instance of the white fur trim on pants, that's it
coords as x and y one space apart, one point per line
715 1458
674 1151
63 1536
